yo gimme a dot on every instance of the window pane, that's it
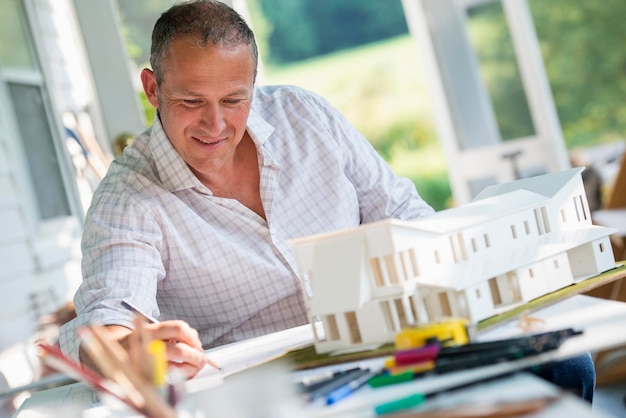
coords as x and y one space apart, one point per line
39 149
490 37
17 52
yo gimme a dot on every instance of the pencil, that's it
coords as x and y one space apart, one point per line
53 356
155 406
108 368
141 313
131 307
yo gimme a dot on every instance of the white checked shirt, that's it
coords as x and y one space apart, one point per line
157 236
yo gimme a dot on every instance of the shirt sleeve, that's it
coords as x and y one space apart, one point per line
121 259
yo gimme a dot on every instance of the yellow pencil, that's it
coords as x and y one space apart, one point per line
158 355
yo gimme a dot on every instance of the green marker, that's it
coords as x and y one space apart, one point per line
408 402
391 379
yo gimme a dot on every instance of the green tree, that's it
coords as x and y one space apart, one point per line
582 44
306 28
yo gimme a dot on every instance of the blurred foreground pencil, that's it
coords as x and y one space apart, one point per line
128 305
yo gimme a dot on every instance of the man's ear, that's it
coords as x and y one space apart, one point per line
148 79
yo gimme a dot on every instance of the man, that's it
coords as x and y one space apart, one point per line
191 224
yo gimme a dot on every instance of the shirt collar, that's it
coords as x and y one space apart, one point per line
172 170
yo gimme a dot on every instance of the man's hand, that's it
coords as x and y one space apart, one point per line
184 349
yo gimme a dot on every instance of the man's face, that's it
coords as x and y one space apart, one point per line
203 101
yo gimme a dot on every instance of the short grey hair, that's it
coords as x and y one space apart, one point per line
209 21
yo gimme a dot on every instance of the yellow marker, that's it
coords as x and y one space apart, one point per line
157 350
416 369
452 331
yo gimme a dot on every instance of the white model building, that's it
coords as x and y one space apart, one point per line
515 242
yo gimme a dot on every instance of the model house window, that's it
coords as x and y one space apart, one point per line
404 318
377 272
563 215
579 205
513 232
456 251
409 266
539 222
556 264
601 247
460 241
474 247
393 273
541 219
444 302
332 331
531 273
545 219
527 227
353 326
437 257
413 259
495 291
414 303
388 317
487 243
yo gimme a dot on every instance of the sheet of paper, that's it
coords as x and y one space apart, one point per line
242 355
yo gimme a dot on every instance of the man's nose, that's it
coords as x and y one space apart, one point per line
213 120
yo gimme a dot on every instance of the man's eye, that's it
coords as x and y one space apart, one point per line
232 101
191 101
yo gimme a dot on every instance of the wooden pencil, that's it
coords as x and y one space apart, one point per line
54 358
97 353
156 406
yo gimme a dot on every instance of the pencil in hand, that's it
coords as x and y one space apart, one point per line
131 307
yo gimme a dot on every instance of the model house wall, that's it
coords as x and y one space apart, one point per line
515 242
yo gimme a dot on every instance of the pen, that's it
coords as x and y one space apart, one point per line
416 355
386 379
131 307
307 387
345 390
407 402
396 406
334 383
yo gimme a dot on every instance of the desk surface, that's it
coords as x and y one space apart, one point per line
599 318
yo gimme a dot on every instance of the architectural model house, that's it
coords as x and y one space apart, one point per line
515 242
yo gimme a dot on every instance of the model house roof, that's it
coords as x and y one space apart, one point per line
478 212
548 185
448 220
